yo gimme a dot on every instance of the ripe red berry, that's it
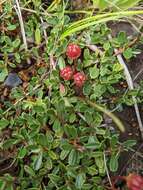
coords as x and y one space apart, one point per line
66 73
134 182
79 79
73 51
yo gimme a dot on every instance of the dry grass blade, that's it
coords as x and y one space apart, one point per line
115 119
19 14
18 11
106 169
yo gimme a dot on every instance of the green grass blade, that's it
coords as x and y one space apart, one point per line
86 25
93 20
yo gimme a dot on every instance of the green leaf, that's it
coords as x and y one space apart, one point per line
56 125
128 53
17 57
92 170
122 38
2 184
115 4
99 90
11 27
87 89
106 46
9 178
72 159
94 72
48 164
80 180
64 154
117 67
53 155
3 73
101 4
3 123
38 161
16 43
126 4
93 143
93 146
100 164
114 163
129 143
9 187
37 36
42 139
61 63
54 178
9 143
29 170
71 131
72 118
22 153
87 186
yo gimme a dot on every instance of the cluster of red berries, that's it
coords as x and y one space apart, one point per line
134 182
73 52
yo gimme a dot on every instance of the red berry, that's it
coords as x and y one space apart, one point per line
73 51
79 79
134 182
66 73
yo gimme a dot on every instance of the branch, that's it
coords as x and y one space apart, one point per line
130 86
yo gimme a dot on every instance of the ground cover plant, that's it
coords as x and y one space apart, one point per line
71 95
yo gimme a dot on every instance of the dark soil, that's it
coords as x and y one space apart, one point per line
131 161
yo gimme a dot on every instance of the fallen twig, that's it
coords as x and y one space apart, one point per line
130 86
95 49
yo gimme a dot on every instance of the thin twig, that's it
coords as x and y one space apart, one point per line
18 101
81 116
2 15
138 74
8 167
126 164
18 11
33 11
48 14
52 63
106 168
44 31
52 67
95 49
130 86
19 14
